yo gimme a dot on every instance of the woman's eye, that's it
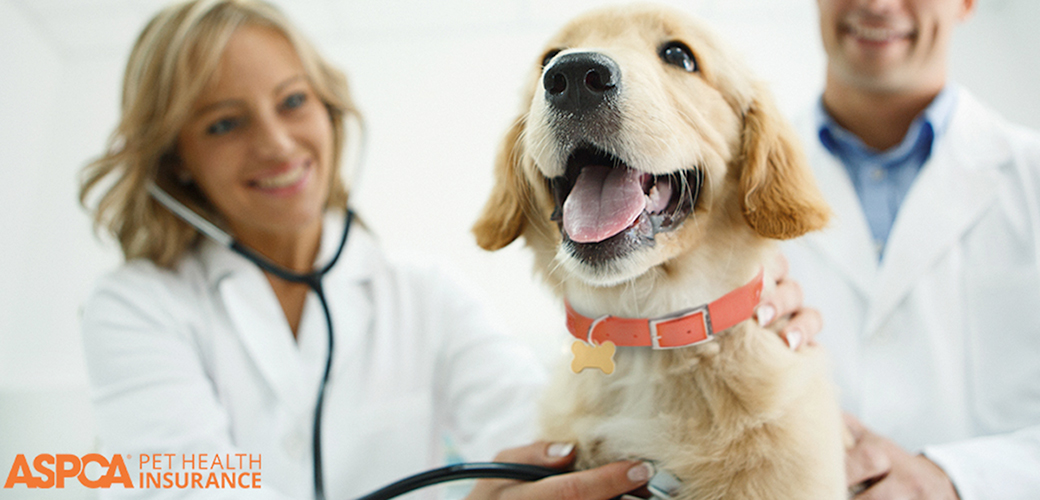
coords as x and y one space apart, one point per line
222 126
678 54
294 101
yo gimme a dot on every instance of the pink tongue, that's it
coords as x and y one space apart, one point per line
603 202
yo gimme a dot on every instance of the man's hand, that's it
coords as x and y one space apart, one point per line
601 483
878 469
785 303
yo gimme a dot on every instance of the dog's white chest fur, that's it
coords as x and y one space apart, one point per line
731 419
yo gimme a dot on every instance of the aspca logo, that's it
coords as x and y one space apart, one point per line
55 469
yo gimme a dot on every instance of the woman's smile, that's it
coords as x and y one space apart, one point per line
286 179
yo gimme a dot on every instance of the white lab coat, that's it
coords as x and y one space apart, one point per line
201 360
938 346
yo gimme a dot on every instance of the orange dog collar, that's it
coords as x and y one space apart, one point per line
681 329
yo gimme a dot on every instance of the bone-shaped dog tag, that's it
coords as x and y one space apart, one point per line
593 356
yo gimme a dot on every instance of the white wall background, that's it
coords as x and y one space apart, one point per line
438 83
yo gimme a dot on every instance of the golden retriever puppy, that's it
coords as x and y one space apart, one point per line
650 174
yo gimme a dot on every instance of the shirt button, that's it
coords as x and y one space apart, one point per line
877 173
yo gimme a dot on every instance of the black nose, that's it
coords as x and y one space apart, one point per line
580 81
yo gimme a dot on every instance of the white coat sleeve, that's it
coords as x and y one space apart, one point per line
150 390
489 382
1001 467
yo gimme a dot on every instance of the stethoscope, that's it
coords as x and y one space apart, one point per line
313 280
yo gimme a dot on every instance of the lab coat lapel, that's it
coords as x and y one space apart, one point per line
257 319
949 195
348 288
846 241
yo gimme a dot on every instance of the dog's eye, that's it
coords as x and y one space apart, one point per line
678 54
548 56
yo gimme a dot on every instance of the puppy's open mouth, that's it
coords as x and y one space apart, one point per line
606 209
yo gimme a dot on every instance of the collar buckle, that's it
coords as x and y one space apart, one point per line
679 317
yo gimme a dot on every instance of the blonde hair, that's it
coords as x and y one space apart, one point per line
170 64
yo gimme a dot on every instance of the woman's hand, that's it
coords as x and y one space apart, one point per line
601 483
878 469
784 302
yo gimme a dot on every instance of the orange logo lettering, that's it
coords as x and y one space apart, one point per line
55 469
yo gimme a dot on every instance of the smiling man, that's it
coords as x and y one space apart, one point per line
928 277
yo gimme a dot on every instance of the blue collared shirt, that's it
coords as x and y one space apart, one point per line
882 178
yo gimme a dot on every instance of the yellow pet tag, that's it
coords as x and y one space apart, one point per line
593 356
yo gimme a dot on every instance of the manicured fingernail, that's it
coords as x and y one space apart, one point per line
560 450
794 339
765 314
641 473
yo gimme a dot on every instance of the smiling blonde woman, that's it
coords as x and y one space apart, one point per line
192 349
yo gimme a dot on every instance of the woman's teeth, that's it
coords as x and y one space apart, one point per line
285 179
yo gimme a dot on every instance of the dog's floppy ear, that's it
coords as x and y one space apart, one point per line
503 219
779 195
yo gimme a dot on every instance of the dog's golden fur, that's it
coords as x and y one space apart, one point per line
742 417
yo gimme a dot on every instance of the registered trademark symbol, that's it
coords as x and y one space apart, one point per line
128 456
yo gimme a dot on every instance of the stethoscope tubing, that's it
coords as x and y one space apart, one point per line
476 470
313 280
